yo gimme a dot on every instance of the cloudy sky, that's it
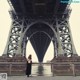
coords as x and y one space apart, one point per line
5 23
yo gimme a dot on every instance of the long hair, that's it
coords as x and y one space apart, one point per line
30 56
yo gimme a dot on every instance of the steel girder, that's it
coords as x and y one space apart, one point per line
63 44
64 32
14 37
16 42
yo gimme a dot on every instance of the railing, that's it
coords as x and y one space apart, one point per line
13 67
18 68
67 68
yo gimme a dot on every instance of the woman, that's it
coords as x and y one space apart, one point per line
29 65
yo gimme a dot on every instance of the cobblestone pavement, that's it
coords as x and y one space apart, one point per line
43 78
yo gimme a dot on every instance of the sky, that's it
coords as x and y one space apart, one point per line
5 24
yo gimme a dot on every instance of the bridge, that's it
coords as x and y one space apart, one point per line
38 8
40 21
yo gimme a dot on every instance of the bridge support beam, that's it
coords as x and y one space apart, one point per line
65 37
16 44
13 47
17 40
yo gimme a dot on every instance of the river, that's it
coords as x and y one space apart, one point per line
41 70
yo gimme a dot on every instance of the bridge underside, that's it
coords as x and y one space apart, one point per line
40 36
38 9
40 21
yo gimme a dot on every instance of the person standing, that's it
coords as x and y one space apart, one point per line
29 65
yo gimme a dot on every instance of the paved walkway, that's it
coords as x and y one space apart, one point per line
43 78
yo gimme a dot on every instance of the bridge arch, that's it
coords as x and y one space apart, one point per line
42 22
50 36
43 32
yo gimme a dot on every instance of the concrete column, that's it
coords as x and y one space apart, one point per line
73 68
10 67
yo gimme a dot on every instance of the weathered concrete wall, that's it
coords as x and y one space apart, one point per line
66 66
13 66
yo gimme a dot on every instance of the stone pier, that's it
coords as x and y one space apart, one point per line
13 66
66 66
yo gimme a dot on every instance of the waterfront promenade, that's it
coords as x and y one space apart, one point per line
45 72
44 78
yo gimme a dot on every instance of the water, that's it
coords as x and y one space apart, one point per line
41 70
